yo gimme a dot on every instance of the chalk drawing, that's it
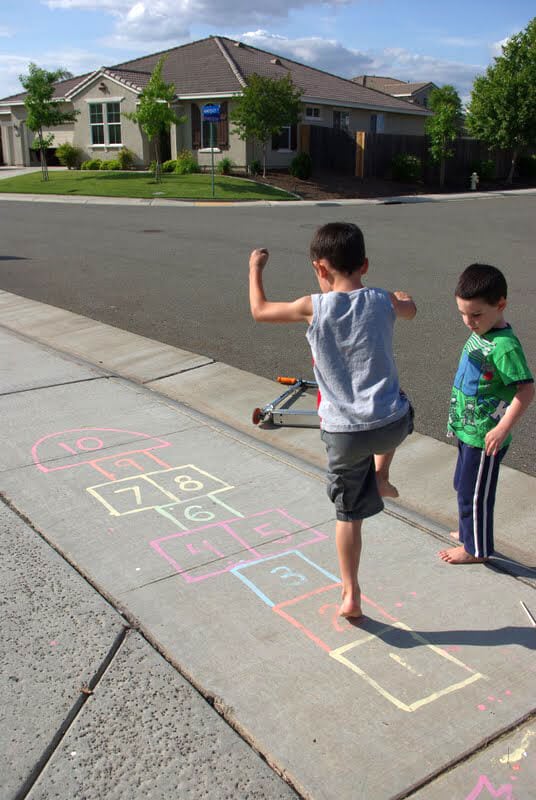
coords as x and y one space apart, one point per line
235 540
369 649
262 581
158 489
520 752
78 446
264 550
504 791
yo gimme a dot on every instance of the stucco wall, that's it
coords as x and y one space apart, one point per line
131 135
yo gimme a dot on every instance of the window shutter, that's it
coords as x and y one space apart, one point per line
293 137
223 128
196 127
275 141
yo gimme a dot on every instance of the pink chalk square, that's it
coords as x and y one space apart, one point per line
212 549
316 614
204 552
276 531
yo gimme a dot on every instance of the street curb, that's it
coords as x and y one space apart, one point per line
158 202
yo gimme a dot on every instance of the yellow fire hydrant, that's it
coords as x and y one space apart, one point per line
474 181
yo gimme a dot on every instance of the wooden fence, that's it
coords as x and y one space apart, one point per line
369 155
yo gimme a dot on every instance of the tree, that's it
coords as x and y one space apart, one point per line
42 110
264 108
155 115
502 110
444 127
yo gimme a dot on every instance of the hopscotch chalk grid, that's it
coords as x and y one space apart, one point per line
262 550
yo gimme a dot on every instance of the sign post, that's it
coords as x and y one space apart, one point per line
211 114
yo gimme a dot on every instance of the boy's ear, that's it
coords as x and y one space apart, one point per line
321 269
503 302
364 268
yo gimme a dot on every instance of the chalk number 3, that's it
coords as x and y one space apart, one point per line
287 574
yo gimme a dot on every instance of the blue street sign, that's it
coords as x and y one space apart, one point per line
211 112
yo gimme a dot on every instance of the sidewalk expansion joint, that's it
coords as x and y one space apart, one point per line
70 719
179 372
54 385
529 717
231 554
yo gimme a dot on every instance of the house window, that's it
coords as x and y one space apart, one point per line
377 123
341 120
96 123
281 140
312 112
105 123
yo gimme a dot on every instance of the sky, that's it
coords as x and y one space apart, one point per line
414 40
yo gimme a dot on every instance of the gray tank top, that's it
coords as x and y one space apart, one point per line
351 339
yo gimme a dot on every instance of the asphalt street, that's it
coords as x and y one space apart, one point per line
179 275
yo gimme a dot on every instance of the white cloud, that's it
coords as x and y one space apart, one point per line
11 66
497 47
326 54
5 32
166 20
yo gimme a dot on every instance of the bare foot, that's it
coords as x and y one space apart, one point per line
385 488
350 611
459 555
455 535
351 604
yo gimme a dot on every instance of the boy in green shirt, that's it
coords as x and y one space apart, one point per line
492 389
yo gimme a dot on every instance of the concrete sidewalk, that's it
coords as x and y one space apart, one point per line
196 555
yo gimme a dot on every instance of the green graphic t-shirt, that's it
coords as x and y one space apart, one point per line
490 368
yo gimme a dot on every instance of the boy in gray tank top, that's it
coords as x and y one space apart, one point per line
364 415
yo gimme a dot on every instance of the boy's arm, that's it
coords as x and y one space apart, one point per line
403 305
521 401
262 310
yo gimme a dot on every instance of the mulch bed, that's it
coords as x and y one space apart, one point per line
332 186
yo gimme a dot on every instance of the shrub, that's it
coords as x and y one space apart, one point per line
255 168
225 166
186 163
113 163
69 155
169 166
92 163
406 168
125 157
301 166
485 169
526 166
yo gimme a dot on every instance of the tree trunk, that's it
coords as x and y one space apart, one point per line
158 167
43 157
513 163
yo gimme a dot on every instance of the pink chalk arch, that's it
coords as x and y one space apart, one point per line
90 446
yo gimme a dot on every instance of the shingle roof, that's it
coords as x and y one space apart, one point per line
314 83
218 65
391 86
62 88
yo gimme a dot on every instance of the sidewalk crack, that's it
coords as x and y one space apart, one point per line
72 715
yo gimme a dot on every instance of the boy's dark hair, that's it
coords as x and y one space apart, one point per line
482 281
342 244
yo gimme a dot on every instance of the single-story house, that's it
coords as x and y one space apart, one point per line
211 70
417 93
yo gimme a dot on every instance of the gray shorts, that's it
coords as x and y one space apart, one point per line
351 477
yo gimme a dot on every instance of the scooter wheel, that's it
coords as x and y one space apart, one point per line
256 417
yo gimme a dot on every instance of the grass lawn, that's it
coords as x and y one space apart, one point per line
136 184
